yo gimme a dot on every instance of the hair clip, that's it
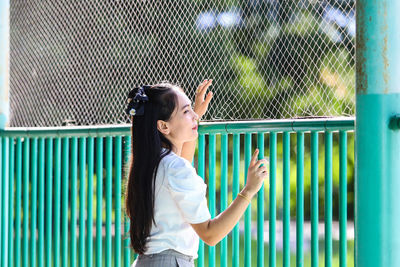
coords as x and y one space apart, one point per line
136 99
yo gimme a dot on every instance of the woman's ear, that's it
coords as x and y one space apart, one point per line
162 126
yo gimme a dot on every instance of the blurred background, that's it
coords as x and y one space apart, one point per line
72 63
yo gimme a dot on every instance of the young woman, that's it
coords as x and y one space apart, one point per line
165 198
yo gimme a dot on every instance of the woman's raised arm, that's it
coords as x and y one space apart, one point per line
214 230
200 107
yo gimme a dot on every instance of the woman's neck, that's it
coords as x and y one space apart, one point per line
176 148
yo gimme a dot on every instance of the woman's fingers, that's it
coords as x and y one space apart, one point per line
201 90
205 87
201 105
208 98
263 169
201 85
254 158
261 161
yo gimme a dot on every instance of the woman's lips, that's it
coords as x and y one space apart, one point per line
195 127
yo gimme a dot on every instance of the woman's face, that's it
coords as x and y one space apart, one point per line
182 125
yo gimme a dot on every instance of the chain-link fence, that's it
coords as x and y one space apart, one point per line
73 62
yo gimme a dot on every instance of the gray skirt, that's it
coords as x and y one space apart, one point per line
166 258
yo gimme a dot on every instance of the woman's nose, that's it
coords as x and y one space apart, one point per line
196 117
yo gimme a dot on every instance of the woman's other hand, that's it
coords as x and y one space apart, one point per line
256 174
213 230
201 101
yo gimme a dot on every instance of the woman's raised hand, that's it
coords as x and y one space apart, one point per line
256 174
201 104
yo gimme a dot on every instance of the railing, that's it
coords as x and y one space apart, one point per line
51 185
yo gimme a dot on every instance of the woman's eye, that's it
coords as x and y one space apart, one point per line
186 111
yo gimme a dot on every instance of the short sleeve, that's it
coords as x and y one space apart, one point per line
188 191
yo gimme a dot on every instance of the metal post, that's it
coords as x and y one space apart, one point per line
377 144
4 83
4 61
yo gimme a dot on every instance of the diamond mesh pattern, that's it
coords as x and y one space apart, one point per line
73 62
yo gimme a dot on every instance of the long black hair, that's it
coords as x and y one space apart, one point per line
147 144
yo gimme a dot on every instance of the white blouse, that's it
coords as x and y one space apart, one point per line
180 200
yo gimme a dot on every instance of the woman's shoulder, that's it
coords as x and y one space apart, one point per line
173 161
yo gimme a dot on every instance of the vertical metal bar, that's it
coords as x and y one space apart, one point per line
118 169
235 191
33 202
127 251
328 199
41 203
342 198
108 199
2 239
64 202
82 195
99 199
89 247
247 215
4 200
224 193
260 208
1 205
18 173
201 171
272 199
377 143
300 200
49 200
73 223
57 198
314 199
11 200
211 192
25 203
286 199
4 63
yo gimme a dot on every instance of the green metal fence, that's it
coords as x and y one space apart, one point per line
62 191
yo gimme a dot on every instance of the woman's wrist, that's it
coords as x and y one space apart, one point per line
247 193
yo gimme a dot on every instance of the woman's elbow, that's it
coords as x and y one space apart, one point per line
211 241
205 233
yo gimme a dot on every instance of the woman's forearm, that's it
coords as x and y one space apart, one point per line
221 225
212 231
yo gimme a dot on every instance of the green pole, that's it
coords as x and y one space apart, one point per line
247 214
260 207
272 199
328 199
286 200
73 193
82 198
4 61
49 201
224 194
377 216
117 192
235 191
201 169
314 199
211 191
4 202
300 200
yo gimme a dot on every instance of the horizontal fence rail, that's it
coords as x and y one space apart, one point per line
62 191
